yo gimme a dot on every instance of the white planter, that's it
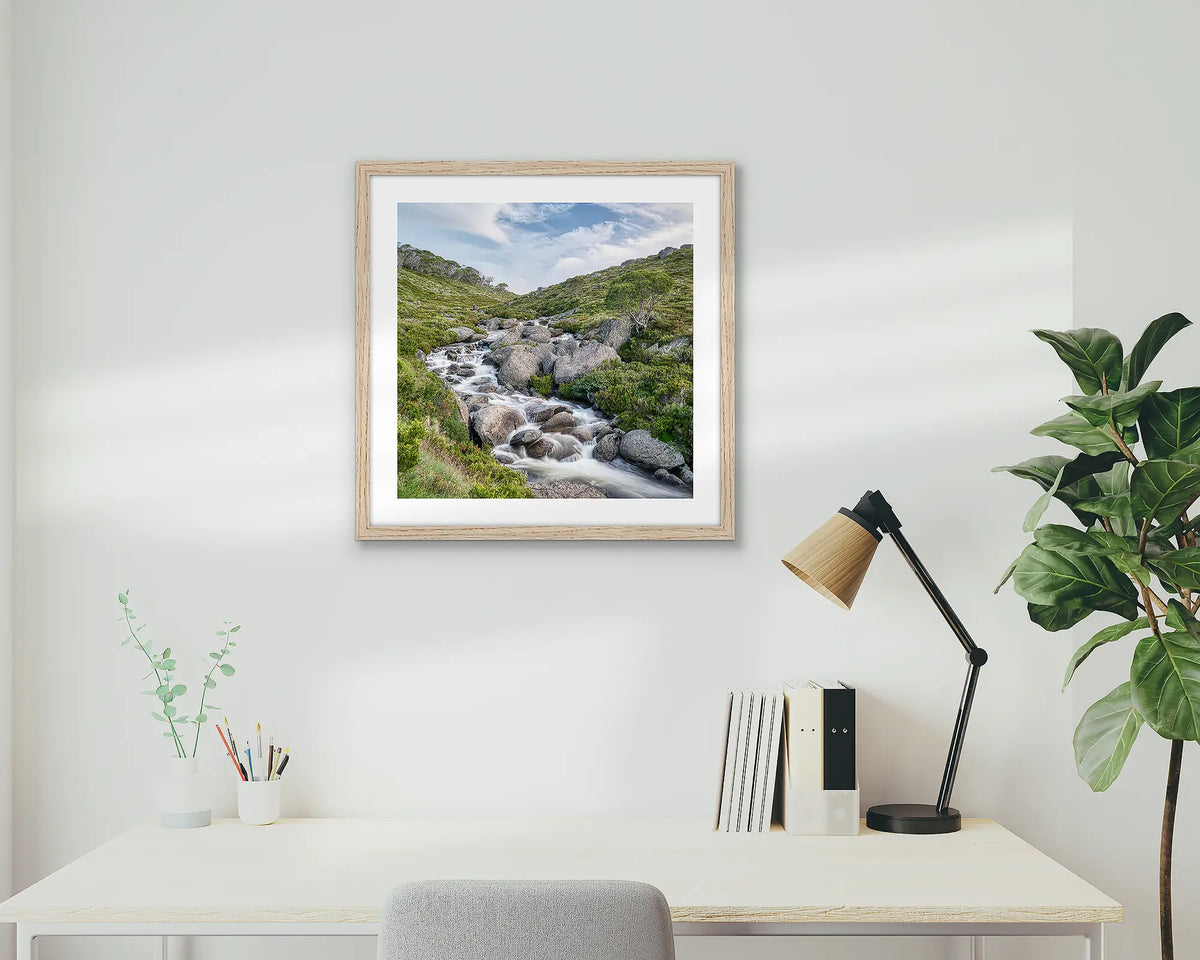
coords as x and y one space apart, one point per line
258 801
182 799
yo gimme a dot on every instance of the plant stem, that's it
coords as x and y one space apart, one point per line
1122 445
1165 933
179 748
204 691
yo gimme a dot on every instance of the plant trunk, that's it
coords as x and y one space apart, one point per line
1166 938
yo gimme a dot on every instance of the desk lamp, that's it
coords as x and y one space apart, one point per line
833 561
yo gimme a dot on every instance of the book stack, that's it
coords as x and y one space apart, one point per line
820 736
750 768
804 736
820 775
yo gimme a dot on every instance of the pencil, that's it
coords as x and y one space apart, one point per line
237 766
286 757
260 741
250 763
271 758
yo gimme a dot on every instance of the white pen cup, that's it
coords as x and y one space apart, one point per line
258 801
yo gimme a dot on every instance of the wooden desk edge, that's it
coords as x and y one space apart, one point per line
831 913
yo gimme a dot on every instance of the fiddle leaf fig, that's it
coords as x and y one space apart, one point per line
1170 422
1034 516
1161 489
1152 340
1105 736
1166 684
1110 633
1049 578
1180 567
1072 428
1137 555
1120 408
1057 616
1093 355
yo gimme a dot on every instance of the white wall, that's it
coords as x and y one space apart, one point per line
184 352
6 452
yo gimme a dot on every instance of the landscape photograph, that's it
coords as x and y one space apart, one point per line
544 350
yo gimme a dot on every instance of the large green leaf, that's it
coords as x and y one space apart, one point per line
1034 516
1166 684
1152 340
1057 616
1110 633
1045 470
1077 476
1121 407
1073 429
1095 543
1117 509
1170 421
1049 578
1105 736
1160 489
1180 567
1093 355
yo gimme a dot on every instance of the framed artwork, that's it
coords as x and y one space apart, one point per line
544 350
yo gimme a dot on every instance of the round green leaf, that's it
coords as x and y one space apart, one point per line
1093 355
1049 578
1166 684
169 710
1104 738
179 689
1162 488
227 669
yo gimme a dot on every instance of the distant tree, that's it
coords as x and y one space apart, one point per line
637 293
502 286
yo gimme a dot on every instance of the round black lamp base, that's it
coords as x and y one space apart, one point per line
913 818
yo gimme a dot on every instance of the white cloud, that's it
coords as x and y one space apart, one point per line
516 243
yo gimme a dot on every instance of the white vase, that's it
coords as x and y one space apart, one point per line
182 799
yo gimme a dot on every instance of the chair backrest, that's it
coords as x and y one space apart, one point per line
526 920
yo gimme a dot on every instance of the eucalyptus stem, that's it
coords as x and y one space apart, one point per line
179 747
204 691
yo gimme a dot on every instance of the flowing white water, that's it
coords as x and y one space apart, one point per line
461 367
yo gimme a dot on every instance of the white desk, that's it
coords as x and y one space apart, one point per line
330 877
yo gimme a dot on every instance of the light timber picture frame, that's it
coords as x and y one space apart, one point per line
544 350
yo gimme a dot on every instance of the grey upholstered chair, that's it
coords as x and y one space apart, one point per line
526 920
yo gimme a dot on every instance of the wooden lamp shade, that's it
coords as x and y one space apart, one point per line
834 559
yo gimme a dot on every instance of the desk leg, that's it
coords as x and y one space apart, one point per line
26 943
977 948
160 948
1093 942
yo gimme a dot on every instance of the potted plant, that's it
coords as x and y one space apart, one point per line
1133 552
182 801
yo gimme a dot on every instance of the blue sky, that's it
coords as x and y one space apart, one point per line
529 245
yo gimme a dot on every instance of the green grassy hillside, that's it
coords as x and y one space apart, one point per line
673 316
434 453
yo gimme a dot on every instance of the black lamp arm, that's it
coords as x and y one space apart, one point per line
877 510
